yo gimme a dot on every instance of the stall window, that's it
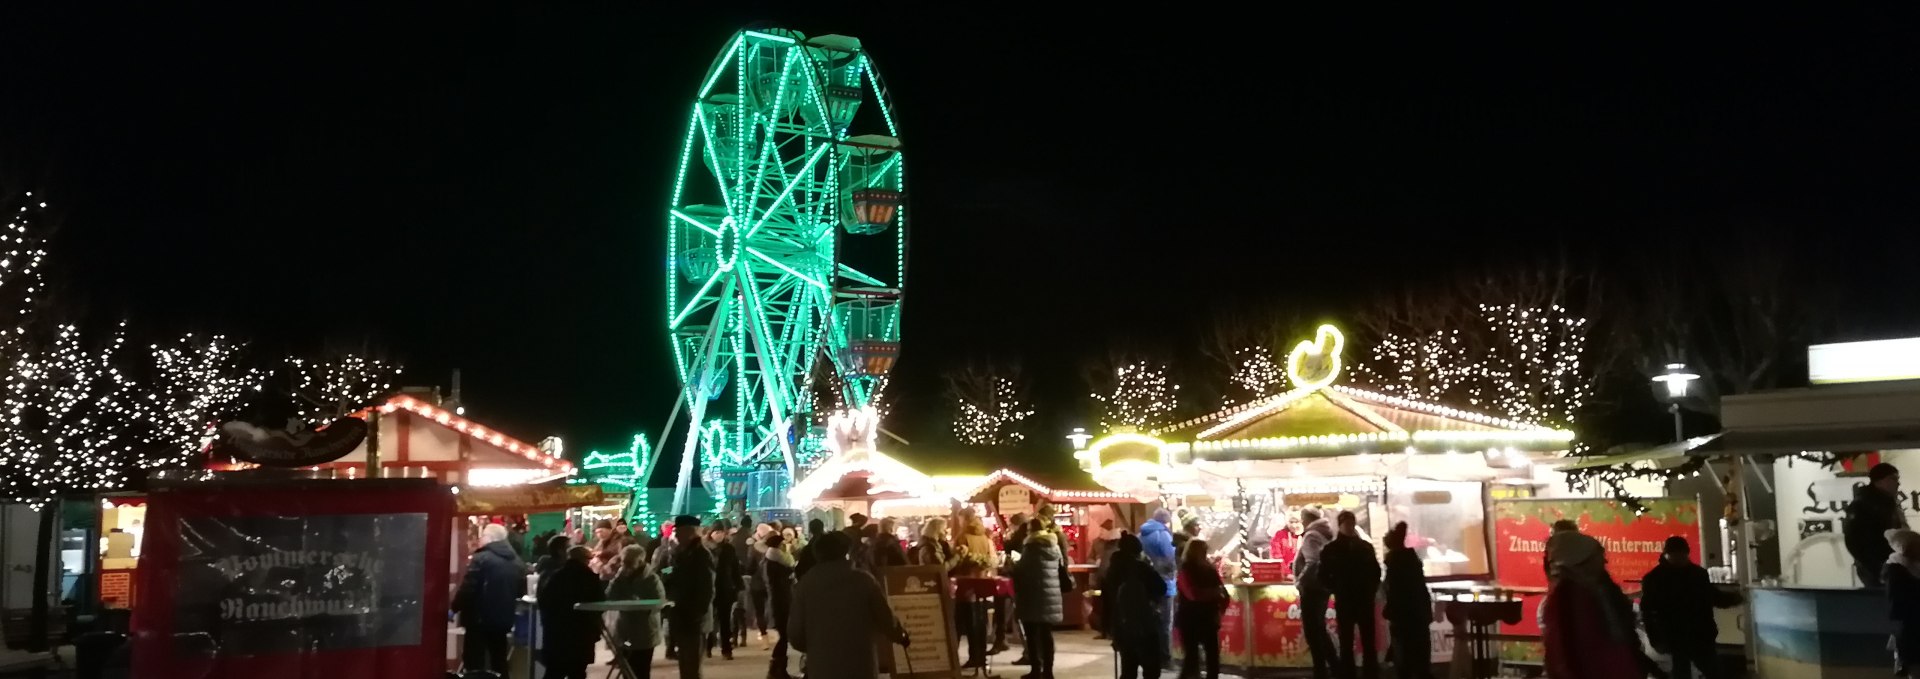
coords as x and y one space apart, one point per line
1446 523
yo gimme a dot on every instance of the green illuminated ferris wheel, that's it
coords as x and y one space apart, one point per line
787 250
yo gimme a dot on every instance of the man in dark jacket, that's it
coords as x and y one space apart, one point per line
1874 511
689 580
1676 602
1351 570
570 635
495 578
808 555
726 588
1409 608
1135 599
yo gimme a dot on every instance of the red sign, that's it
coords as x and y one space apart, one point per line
1633 542
1269 571
116 588
242 578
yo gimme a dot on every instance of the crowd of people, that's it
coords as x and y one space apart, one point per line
815 591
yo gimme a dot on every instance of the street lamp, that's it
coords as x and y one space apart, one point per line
1676 379
1079 437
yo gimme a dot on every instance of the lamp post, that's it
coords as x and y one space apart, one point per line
1079 437
1676 379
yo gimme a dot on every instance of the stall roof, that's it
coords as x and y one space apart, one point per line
1067 490
1656 454
513 450
1332 420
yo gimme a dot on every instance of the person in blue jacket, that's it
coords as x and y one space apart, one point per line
1156 540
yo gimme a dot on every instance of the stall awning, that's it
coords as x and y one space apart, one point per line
1787 441
1657 454
526 499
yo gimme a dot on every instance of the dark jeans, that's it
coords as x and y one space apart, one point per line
970 620
1166 631
690 645
1357 615
1140 663
1704 655
1906 644
1198 639
758 612
486 649
1039 645
1313 617
1412 649
723 620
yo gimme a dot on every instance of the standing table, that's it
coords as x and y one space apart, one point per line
606 631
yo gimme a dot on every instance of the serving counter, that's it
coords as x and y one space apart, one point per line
1262 633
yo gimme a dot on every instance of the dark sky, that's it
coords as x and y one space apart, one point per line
483 187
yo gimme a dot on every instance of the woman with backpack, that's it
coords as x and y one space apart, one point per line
1203 599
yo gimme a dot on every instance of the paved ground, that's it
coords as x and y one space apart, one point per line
1079 656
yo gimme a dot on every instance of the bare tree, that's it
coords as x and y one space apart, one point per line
1133 390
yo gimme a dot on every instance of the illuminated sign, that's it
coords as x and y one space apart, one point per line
1877 361
1314 364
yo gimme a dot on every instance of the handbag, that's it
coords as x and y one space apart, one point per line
1066 581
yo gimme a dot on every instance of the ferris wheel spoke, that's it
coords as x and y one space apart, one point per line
792 183
855 274
694 302
706 132
682 216
776 263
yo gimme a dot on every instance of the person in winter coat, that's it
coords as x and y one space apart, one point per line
776 569
1286 541
1015 537
933 547
1133 610
837 614
690 581
1351 569
884 546
556 547
1676 603
570 635
727 582
1203 599
1902 576
1874 511
486 599
637 631
1409 608
756 582
1314 593
1037 598
1156 541
1189 529
1587 621
805 559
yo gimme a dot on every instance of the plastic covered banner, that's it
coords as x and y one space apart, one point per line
315 578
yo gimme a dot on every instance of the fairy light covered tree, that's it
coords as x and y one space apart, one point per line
1256 375
1521 363
990 408
198 382
325 389
1137 394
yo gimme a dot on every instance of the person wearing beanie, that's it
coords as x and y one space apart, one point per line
1134 610
1676 603
689 574
1874 511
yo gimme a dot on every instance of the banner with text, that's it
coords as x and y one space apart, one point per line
1633 542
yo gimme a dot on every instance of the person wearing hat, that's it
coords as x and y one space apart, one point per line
689 573
1676 603
1874 511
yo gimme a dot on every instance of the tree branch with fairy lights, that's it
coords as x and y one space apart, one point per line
1134 393
990 408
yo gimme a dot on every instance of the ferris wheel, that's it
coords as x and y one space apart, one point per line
786 242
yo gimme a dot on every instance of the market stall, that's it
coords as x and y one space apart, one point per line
1078 511
1245 474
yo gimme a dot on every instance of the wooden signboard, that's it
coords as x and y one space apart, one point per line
922 601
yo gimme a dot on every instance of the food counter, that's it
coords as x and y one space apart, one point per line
1261 632
1820 632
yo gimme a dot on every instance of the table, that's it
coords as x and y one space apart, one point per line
606 631
1476 615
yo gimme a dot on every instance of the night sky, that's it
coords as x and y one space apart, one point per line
483 187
